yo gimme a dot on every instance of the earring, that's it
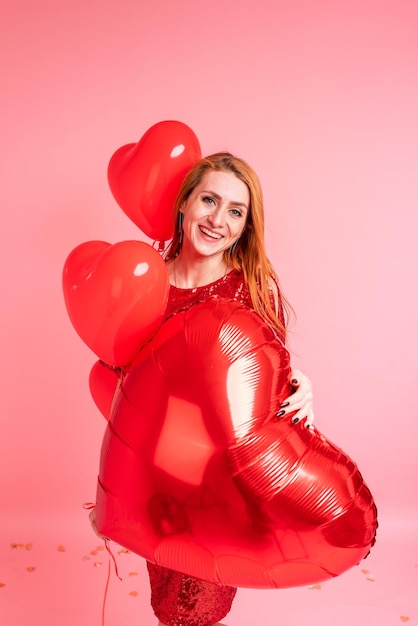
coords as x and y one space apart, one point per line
233 248
180 219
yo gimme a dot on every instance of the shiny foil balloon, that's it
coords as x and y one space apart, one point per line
103 382
145 177
199 475
115 296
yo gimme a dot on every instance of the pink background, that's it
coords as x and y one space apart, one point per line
321 97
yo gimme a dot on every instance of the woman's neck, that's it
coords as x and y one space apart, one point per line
188 273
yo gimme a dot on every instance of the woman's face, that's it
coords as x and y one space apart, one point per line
215 213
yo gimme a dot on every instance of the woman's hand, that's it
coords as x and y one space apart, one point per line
300 401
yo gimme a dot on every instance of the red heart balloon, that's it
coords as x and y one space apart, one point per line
103 382
115 296
199 475
145 177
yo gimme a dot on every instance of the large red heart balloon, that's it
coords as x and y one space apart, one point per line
199 475
115 296
145 177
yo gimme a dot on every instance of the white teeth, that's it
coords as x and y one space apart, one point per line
209 233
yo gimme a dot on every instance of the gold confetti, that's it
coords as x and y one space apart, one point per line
364 571
28 546
371 578
17 545
100 548
85 558
404 618
31 569
315 587
93 552
133 593
123 551
2 585
133 573
98 564
61 548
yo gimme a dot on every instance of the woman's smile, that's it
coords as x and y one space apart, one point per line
210 233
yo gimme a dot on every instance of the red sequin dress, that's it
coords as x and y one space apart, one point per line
178 599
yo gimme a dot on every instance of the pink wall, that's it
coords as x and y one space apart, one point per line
322 98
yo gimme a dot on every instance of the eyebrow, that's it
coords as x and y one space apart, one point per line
218 197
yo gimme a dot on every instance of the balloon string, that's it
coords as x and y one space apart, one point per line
159 245
105 593
111 555
89 506
107 546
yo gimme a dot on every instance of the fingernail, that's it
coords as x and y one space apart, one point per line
294 381
295 420
283 404
280 413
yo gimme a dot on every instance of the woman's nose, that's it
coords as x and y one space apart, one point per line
216 218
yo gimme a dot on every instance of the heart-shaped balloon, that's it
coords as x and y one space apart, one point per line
199 475
103 382
116 296
145 177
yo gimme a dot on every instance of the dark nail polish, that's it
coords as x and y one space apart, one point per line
280 413
295 420
294 381
283 404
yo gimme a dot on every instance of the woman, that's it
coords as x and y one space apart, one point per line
218 250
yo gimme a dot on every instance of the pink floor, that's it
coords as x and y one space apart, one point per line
53 572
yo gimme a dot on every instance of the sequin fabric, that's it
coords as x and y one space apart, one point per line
178 599
231 286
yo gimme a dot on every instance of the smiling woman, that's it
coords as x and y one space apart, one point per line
219 227
220 215
218 251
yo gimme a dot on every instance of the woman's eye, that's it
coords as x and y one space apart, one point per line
208 200
236 212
